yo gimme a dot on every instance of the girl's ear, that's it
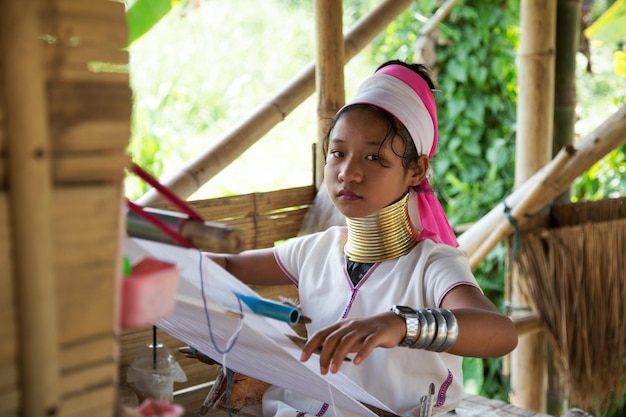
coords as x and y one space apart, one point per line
418 172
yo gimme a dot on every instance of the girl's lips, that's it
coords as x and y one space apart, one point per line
348 195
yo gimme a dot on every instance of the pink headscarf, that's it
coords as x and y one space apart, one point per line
405 94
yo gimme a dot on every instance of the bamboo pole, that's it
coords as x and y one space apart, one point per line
567 40
328 73
236 141
30 195
535 112
568 20
535 101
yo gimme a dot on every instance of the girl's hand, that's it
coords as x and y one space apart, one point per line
354 335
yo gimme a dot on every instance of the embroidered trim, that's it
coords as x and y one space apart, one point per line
349 306
323 410
443 390
454 285
284 269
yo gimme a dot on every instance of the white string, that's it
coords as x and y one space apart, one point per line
233 339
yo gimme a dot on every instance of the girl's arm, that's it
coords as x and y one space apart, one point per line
484 332
255 267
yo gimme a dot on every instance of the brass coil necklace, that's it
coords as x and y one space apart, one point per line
381 236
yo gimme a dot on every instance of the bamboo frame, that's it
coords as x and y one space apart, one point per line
236 141
603 139
30 191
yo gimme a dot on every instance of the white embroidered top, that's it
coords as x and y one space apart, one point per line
398 377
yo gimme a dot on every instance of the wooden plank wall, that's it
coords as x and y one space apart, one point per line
263 219
89 104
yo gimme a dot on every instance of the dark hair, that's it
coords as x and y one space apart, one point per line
395 128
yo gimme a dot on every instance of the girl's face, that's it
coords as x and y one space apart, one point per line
361 176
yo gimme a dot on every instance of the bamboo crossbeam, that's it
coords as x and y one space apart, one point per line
505 228
442 12
30 197
527 324
540 189
245 134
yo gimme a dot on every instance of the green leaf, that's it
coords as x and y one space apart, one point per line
142 15
472 148
610 26
457 71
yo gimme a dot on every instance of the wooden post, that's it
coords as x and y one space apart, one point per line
329 79
30 195
533 150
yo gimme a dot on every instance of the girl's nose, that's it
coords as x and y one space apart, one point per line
350 171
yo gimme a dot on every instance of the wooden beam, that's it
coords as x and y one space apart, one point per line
30 195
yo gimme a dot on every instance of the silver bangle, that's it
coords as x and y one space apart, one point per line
438 330
421 341
428 331
452 333
442 331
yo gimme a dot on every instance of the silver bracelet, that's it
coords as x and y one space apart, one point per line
452 333
438 330
442 331
427 332
421 341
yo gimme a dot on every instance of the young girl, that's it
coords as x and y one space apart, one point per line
391 289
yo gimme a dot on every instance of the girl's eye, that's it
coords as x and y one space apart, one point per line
336 154
373 157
